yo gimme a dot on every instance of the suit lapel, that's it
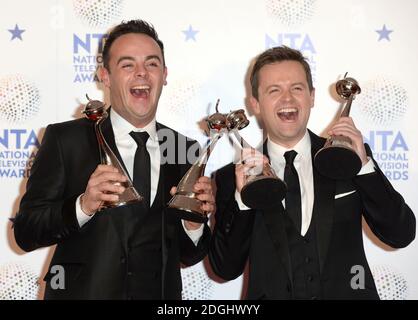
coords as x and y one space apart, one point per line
169 177
275 224
324 191
109 136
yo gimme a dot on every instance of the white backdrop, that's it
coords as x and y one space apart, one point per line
48 61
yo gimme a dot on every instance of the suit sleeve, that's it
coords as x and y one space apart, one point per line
191 253
386 212
44 217
231 237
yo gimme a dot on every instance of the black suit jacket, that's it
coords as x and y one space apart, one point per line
93 256
260 236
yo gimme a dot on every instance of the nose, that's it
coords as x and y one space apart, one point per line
286 95
141 72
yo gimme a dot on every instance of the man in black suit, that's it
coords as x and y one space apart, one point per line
127 252
310 245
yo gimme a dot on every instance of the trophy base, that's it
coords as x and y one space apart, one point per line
263 192
190 208
130 195
337 162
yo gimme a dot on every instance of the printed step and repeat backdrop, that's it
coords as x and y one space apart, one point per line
49 61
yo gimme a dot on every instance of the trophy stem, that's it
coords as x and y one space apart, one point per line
243 143
185 197
100 139
347 109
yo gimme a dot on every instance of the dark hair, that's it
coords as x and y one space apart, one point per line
132 26
278 54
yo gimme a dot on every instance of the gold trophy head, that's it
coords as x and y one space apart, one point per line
347 87
237 120
94 109
217 121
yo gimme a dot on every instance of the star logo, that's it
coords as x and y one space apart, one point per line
16 33
190 33
384 33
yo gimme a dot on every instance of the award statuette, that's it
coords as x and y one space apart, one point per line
337 159
185 198
263 189
95 111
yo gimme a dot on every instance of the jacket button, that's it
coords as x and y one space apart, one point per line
122 260
310 278
130 273
307 259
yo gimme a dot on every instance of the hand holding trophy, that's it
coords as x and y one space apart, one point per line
262 189
185 198
337 159
95 111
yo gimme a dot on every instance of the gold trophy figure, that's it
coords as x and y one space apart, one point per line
95 111
337 159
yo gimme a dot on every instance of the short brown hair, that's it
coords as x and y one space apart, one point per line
278 54
132 26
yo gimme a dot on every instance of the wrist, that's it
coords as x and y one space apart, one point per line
82 207
191 225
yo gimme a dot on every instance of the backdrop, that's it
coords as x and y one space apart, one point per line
49 59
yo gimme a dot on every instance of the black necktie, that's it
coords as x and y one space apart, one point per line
142 166
293 198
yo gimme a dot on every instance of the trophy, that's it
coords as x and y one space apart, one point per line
263 189
337 159
185 198
95 111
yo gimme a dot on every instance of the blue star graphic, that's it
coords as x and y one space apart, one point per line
190 33
384 33
16 33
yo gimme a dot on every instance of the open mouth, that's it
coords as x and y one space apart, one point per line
288 114
140 91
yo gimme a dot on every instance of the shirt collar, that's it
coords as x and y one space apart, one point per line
303 148
121 127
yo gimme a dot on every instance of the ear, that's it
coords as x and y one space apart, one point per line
165 76
255 105
104 76
312 97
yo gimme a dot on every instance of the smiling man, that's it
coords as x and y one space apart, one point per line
308 246
127 252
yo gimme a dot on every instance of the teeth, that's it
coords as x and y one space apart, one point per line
142 87
287 110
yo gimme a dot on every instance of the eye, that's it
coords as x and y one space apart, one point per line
127 66
153 64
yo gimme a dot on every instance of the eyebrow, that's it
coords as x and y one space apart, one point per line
132 58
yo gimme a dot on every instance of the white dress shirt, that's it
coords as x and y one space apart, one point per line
127 147
303 165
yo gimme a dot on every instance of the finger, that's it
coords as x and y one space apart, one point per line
208 207
250 152
104 168
107 176
204 179
108 187
346 120
205 197
108 197
173 191
348 132
202 187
